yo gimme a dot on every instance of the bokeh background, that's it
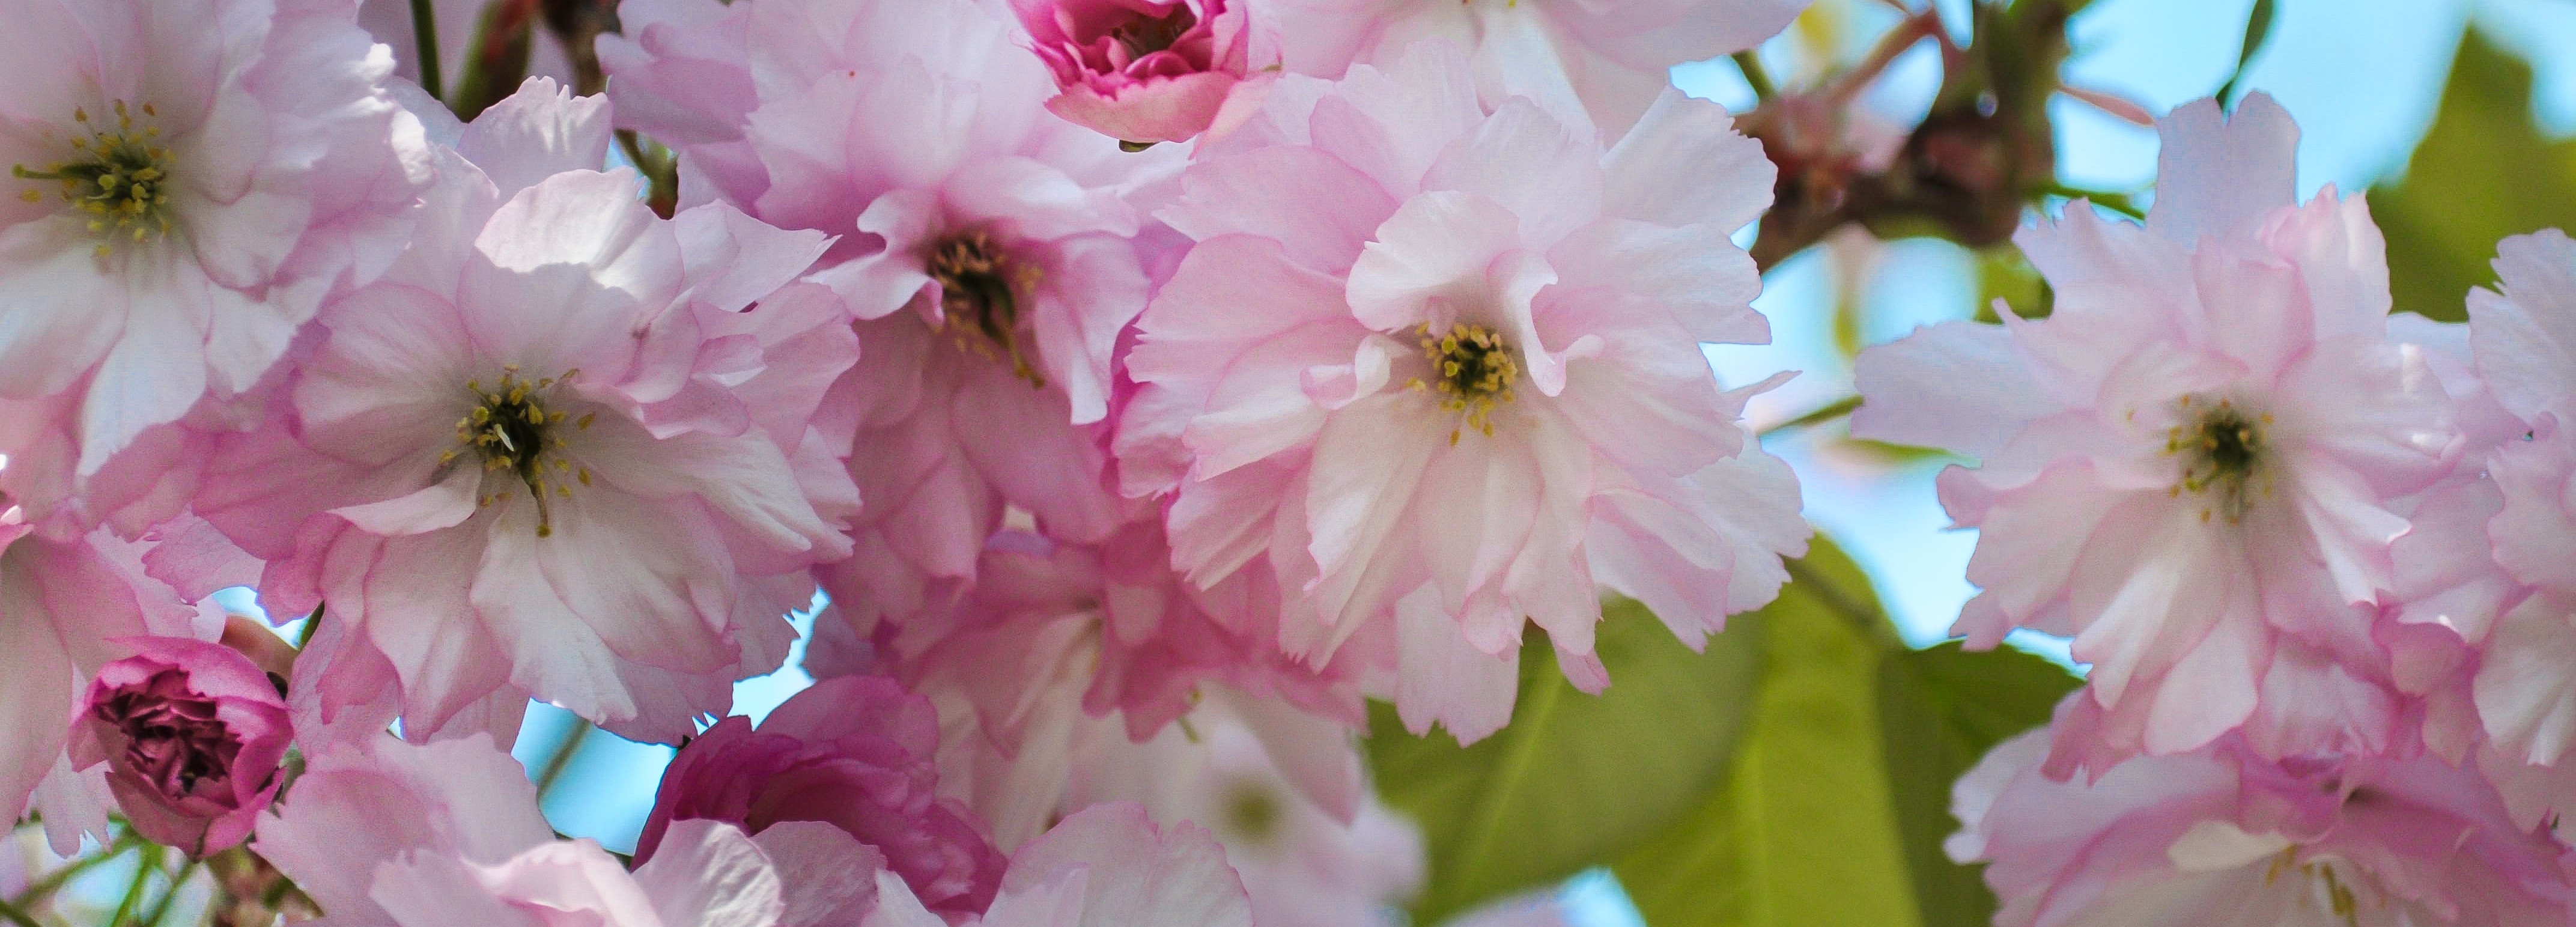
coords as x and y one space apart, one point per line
2455 115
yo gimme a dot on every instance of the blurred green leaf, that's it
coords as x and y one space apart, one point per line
1805 831
2258 29
1939 711
1575 780
1841 792
2003 273
2484 172
1798 773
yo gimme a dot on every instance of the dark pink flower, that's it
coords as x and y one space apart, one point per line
854 752
192 733
1140 70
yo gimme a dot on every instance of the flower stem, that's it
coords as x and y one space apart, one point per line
161 909
562 756
9 912
424 35
37 891
1763 88
145 864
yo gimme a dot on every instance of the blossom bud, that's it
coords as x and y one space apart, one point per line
1141 71
192 733
854 752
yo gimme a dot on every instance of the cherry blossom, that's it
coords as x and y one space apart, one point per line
1141 71
2192 466
1433 363
557 447
1610 55
184 191
1108 864
2218 837
989 246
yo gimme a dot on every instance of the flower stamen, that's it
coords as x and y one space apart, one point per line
119 177
979 294
511 430
1474 369
2222 450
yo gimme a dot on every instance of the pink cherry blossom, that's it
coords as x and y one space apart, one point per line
854 753
1141 70
2219 838
184 191
1435 364
1303 863
380 832
68 610
2522 333
2194 467
563 447
988 244
1614 56
1114 622
1108 864
192 733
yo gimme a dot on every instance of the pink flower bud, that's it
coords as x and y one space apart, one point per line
1140 70
855 752
192 733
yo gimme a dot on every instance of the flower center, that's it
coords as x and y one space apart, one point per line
2327 888
2221 447
978 295
511 430
1252 812
120 177
173 737
1474 369
1143 36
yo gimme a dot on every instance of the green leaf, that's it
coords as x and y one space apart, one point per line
2484 172
1940 710
1575 780
1798 773
2258 29
1841 791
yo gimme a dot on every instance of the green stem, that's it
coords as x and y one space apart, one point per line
161 909
424 34
37 891
9 912
555 764
2115 202
148 862
1824 413
1754 74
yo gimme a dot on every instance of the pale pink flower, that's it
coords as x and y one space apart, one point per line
1614 56
1105 865
1141 70
193 735
68 609
855 753
1436 365
1110 626
2523 333
184 191
2200 455
2220 838
987 243
560 447
1303 863
380 832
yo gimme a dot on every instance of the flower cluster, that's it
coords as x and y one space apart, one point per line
1112 368
2313 553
